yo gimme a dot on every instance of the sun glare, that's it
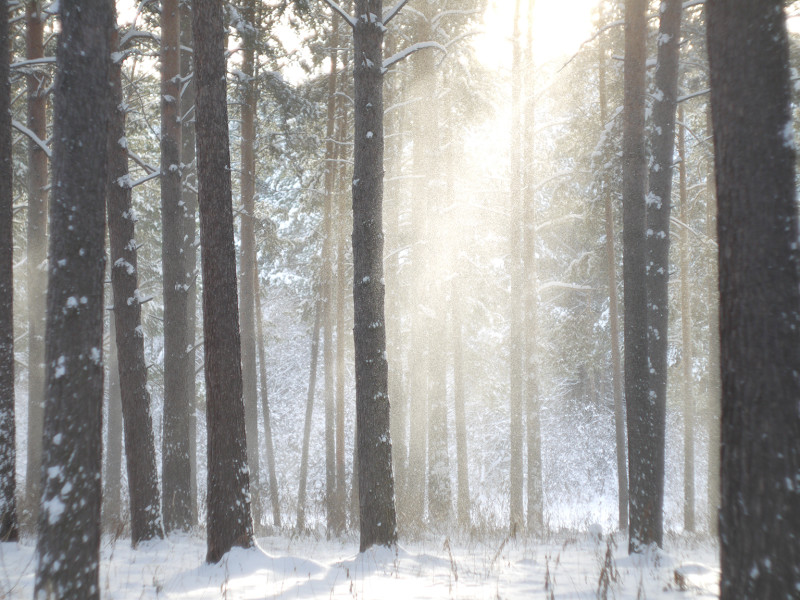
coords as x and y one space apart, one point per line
560 26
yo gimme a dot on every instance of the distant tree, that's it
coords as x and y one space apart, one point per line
229 522
68 544
312 385
759 283
8 454
176 467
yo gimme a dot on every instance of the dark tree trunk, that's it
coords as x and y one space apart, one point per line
262 375
312 384
112 481
176 466
613 319
140 451
760 299
38 84
68 544
248 253
376 485
645 511
189 198
8 454
229 522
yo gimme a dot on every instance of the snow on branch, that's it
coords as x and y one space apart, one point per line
342 12
33 61
33 137
409 51
393 12
561 285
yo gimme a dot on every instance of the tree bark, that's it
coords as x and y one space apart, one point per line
376 484
760 299
229 522
37 84
8 454
645 513
140 451
68 544
112 486
312 385
176 465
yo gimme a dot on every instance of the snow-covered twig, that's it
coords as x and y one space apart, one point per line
409 51
33 137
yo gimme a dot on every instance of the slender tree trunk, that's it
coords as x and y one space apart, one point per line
760 299
37 85
176 466
460 413
644 522
613 311
140 451
376 485
112 489
517 516
248 253
686 342
68 544
189 199
8 454
312 385
262 364
229 521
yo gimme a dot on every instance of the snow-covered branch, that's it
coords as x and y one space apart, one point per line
33 61
343 13
33 137
562 285
393 11
409 51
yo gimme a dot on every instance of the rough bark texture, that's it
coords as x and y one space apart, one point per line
645 512
229 523
613 315
376 485
68 542
760 299
176 467
140 451
247 262
8 455
37 83
312 384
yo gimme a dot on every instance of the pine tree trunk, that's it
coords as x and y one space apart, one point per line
312 385
229 521
8 454
68 544
37 84
112 486
645 513
176 465
376 485
759 277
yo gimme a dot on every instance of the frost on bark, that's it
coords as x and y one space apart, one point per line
69 518
176 466
229 523
37 87
644 522
8 455
376 485
140 452
759 283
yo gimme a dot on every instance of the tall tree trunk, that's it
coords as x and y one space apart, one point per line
463 509
335 521
515 350
760 299
248 252
140 451
262 365
644 523
535 508
659 203
229 522
176 466
8 454
68 544
189 199
686 341
312 385
613 319
376 485
112 488
37 85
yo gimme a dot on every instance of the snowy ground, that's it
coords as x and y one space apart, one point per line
564 567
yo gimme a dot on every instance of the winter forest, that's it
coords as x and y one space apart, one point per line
403 299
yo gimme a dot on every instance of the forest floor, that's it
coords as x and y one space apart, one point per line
564 566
